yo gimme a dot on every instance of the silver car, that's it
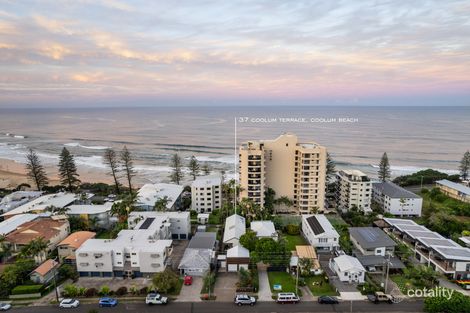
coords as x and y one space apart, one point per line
5 306
69 303
244 299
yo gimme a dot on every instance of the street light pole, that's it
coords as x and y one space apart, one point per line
55 281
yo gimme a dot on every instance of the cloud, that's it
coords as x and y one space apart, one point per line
54 51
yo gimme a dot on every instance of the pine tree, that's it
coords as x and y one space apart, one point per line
110 158
193 167
128 166
35 169
464 167
206 169
68 170
177 173
330 167
384 168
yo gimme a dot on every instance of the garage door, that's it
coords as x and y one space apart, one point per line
233 267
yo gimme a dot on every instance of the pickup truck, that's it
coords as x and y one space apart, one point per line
155 298
380 297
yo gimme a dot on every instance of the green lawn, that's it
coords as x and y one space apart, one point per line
319 286
284 279
105 234
294 240
403 283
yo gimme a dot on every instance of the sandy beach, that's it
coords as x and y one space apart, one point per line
13 174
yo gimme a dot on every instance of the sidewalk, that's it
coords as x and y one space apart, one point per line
447 284
264 293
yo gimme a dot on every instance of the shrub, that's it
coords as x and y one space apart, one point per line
26 289
133 290
104 291
121 291
143 291
91 292
71 291
292 229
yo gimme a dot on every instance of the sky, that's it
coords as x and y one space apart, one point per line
109 52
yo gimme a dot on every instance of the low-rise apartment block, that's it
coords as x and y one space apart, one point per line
353 189
151 193
67 247
138 252
292 169
180 222
432 249
98 214
17 198
43 203
206 194
396 200
454 190
319 232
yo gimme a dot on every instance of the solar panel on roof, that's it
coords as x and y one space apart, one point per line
412 227
146 224
368 235
458 252
438 242
424 234
401 222
315 225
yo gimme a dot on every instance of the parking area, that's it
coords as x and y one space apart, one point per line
191 293
112 283
226 286
179 246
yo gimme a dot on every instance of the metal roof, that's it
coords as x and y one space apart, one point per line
371 237
203 240
459 187
394 191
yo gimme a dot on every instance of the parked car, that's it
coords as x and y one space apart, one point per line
328 300
5 306
107 302
188 280
380 297
155 298
244 300
287 297
69 303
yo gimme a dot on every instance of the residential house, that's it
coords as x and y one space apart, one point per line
67 247
264 229
11 224
319 232
17 198
199 255
180 222
291 168
454 190
353 189
348 269
235 227
149 194
45 272
206 193
371 241
138 252
432 249
203 218
96 215
43 203
305 252
238 257
396 200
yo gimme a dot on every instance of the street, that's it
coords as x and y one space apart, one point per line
217 307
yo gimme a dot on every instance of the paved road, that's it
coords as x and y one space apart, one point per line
217 307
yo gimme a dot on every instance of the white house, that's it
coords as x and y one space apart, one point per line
45 272
151 193
348 269
180 222
235 227
17 198
396 200
199 254
11 224
203 218
264 229
206 194
92 213
237 257
39 205
319 232
138 252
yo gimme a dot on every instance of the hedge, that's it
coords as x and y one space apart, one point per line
26 289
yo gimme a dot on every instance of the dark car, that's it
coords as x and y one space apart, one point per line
109 302
327 300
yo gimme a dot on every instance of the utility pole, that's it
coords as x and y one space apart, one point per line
55 282
297 280
388 269
421 182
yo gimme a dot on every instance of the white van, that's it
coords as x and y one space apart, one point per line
287 297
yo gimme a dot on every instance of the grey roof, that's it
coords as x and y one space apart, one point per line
196 259
459 187
371 237
203 240
394 191
378 260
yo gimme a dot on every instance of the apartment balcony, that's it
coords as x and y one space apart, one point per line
254 157
254 170
254 182
444 265
254 163
254 194
254 176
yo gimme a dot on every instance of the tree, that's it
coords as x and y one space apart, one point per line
209 281
35 170
206 169
464 167
35 248
177 172
77 223
457 303
384 168
193 167
5 249
123 207
128 165
165 281
244 278
272 252
249 240
305 264
330 167
68 170
161 203
110 158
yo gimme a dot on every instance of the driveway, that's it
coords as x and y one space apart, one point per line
191 293
264 293
225 286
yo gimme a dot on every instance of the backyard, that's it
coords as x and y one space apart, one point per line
319 286
294 240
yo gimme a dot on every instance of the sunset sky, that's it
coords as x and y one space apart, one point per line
73 53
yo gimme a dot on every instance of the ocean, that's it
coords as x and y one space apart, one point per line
414 137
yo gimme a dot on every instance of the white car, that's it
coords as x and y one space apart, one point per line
69 303
5 306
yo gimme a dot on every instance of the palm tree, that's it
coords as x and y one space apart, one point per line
5 249
160 204
35 248
123 207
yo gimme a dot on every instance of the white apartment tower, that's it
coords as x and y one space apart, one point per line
353 189
206 194
292 169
